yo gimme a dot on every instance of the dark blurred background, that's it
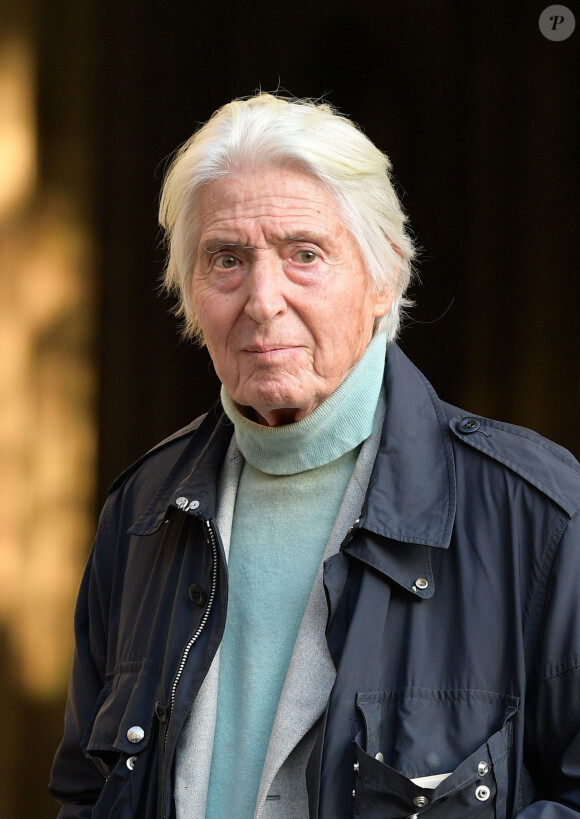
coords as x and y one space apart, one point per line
479 114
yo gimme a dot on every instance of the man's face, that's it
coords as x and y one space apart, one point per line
281 292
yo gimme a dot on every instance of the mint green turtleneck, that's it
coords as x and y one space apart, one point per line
290 489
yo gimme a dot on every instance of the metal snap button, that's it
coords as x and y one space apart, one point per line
420 801
353 794
182 503
193 505
482 768
482 793
421 583
356 767
131 762
136 734
469 424
380 757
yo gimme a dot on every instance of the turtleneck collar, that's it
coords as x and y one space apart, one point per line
338 425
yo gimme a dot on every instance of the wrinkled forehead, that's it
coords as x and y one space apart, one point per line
288 200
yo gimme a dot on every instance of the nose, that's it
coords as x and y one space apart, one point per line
265 288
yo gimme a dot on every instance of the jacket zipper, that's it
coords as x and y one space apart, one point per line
200 628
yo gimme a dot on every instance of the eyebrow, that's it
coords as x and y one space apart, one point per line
286 239
316 238
211 247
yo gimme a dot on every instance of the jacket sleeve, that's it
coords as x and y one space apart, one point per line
554 721
76 781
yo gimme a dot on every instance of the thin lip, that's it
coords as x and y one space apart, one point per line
267 348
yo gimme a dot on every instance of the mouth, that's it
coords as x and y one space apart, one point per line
267 348
270 355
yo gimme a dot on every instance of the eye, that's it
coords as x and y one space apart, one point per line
226 261
305 256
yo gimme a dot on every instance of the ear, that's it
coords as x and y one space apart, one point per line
383 302
384 298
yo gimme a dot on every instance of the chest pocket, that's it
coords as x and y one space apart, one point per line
122 730
409 734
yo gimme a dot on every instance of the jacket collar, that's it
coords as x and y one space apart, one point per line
411 499
191 484
412 495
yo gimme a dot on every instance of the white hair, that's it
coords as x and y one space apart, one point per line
271 131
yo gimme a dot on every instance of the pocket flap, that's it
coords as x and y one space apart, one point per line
478 784
421 731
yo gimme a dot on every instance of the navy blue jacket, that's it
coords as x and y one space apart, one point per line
454 625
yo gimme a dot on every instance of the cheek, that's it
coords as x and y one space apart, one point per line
217 317
352 311
212 313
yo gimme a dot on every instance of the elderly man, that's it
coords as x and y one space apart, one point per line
334 595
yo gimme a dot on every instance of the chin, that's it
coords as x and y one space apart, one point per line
265 404
267 390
